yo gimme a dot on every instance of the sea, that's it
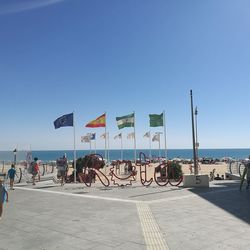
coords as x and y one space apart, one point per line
128 154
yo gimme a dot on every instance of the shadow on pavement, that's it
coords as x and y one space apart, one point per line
158 192
227 196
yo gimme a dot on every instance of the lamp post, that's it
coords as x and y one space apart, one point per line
193 135
196 134
15 153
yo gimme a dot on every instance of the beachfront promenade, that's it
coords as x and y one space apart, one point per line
48 216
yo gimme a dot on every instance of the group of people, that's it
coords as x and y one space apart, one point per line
218 177
33 169
4 196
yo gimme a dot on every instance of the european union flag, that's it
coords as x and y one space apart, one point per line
92 137
64 121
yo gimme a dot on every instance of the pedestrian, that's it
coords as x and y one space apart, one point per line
34 170
3 197
11 175
190 168
62 168
248 173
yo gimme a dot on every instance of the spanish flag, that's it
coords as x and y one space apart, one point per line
98 122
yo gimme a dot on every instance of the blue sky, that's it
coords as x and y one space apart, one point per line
117 56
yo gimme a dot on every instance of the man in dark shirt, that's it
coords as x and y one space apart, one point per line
11 175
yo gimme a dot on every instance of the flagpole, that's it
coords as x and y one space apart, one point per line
105 143
121 148
159 145
105 139
108 148
165 133
134 138
150 151
74 147
95 143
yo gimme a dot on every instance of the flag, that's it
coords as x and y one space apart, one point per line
64 121
118 136
126 121
85 138
131 136
98 122
28 157
156 137
156 120
103 136
91 136
147 135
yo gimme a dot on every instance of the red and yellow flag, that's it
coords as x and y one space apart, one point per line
98 122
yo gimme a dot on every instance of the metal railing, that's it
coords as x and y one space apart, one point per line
236 167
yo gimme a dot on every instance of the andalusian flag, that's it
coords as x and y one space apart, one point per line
126 121
156 120
98 122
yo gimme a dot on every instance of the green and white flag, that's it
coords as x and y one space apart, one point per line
156 120
126 121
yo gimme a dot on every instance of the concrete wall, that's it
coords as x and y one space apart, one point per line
195 181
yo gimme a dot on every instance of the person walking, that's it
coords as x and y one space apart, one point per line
11 175
248 173
3 196
34 170
62 167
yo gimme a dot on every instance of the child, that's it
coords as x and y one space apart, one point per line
11 175
3 193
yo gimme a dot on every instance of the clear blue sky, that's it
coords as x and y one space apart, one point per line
120 56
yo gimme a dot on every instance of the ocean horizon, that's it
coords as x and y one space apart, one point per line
128 154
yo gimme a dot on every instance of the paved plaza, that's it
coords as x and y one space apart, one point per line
48 216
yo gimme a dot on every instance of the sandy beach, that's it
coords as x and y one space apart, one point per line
220 168
204 169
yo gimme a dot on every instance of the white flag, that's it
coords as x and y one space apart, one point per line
147 135
156 137
103 136
131 136
85 138
118 136
29 157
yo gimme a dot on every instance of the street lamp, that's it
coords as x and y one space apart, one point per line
196 134
193 135
15 153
